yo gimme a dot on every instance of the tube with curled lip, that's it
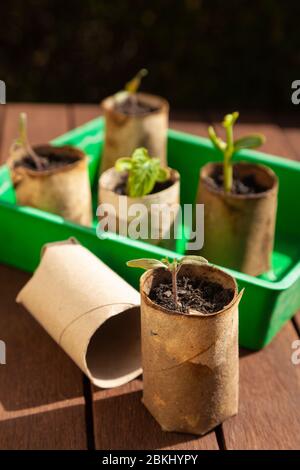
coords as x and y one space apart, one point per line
190 361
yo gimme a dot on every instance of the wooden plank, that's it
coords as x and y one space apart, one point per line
41 393
120 419
193 123
85 112
269 412
42 403
122 422
44 123
290 125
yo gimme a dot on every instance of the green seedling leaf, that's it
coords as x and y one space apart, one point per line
146 263
121 96
143 172
193 260
248 142
163 175
217 141
172 267
123 164
230 119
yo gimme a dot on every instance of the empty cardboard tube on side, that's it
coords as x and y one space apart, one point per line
190 361
64 190
124 132
90 311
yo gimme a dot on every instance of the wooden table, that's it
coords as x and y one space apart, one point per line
47 403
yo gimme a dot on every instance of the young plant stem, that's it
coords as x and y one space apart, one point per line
24 141
227 159
174 283
227 166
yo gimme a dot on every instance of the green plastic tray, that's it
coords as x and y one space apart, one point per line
269 301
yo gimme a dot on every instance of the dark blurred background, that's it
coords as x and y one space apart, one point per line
200 54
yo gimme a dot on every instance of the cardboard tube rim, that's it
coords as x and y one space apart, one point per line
192 313
100 382
107 106
206 169
175 177
82 157
112 330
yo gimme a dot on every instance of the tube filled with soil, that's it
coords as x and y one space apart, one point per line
139 120
190 354
155 219
53 179
90 311
239 225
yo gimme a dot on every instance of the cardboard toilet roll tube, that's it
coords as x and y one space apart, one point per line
89 310
122 207
124 133
63 190
190 361
239 229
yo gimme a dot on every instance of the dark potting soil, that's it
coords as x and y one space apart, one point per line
201 294
240 185
133 106
48 161
121 186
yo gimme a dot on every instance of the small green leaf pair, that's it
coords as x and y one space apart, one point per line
173 267
143 172
151 263
229 147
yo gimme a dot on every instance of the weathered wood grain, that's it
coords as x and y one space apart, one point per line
269 412
122 422
290 125
41 391
83 113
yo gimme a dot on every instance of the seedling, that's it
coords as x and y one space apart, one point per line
229 147
131 87
173 267
23 142
143 172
